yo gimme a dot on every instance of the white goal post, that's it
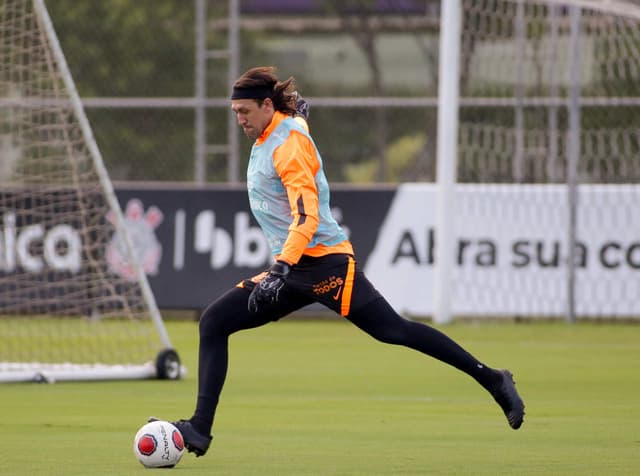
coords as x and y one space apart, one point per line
66 311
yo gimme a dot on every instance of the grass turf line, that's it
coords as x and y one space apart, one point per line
322 398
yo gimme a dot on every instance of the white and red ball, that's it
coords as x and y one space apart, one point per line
158 444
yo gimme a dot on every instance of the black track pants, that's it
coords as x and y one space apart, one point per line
336 282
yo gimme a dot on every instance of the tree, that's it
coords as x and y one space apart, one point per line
127 48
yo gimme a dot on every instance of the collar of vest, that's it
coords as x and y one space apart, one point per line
277 118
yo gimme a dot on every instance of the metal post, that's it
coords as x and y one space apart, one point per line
552 155
234 67
518 159
573 157
200 93
448 99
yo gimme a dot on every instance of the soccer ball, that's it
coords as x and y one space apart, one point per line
158 444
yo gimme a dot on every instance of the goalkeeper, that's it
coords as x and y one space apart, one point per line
314 260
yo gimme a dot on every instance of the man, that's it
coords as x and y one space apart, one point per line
314 260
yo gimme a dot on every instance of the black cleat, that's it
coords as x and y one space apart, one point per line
507 397
194 441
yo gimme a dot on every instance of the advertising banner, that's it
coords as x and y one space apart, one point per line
510 251
510 255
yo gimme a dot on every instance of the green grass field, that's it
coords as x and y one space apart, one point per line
321 398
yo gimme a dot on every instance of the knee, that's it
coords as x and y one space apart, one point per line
226 315
395 334
380 321
212 322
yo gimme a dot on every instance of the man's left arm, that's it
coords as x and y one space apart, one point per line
296 163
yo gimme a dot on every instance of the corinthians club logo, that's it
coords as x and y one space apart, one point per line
141 227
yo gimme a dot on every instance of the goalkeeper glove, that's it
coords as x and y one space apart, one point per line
302 107
268 290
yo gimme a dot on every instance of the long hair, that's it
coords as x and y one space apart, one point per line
283 93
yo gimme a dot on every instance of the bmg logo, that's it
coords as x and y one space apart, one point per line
247 248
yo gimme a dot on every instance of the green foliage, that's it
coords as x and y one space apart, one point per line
322 398
127 48
146 48
346 141
399 157
123 48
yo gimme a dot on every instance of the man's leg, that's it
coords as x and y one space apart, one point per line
223 317
338 283
381 321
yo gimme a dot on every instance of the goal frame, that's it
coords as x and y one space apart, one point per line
449 102
167 364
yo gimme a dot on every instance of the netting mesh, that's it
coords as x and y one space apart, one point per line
517 60
61 299
517 56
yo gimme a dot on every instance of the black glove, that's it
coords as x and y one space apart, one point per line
267 291
302 107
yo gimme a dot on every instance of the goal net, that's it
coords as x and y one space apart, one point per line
548 159
64 312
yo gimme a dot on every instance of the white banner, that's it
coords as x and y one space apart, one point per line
511 250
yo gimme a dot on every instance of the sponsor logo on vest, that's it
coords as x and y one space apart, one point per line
334 283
